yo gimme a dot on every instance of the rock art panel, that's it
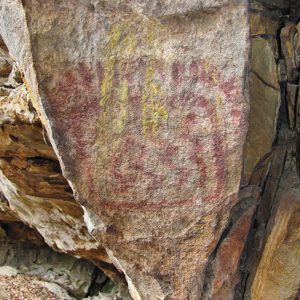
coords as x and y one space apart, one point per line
147 110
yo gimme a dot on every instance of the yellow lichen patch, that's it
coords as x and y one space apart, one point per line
120 41
149 72
109 66
120 50
219 102
153 115
153 112
123 92
107 83
206 68
120 121
217 117
129 43
114 36
214 77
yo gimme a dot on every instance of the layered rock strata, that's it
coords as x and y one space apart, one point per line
32 187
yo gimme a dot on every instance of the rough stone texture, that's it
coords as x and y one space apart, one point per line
265 195
32 188
270 4
290 42
278 269
271 263
278 273
227 261
26 288
31 181
25 250
264 93
145 104
148 120
263 26
6 214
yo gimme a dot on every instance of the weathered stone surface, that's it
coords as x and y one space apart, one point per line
264 94
6 214
28 287
270 4
33 187
265 194
290 42
24 250
263 25
288 37
278 273
148 120
226 264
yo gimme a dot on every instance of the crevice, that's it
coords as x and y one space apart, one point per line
264 36
208 273
264 82
283 144
236 212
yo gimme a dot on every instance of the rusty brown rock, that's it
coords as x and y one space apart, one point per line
288 36
278 273
226 264
290 42
263 25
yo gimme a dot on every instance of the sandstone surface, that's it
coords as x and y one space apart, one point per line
148 121
278 273
128 138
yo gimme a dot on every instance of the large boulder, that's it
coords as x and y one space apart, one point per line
145 103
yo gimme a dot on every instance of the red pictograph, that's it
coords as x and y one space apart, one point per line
153 171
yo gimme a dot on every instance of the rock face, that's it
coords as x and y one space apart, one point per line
264 92
278 273
23 252
148 121
31 180
227 261
127 138
275 272
26 252
32 188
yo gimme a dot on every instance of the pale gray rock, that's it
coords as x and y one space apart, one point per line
8 271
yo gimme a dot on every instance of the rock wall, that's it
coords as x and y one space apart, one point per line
272 258
148 124
25 250
173 124
25 256
32 187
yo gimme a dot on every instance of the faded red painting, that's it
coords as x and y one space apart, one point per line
157 139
